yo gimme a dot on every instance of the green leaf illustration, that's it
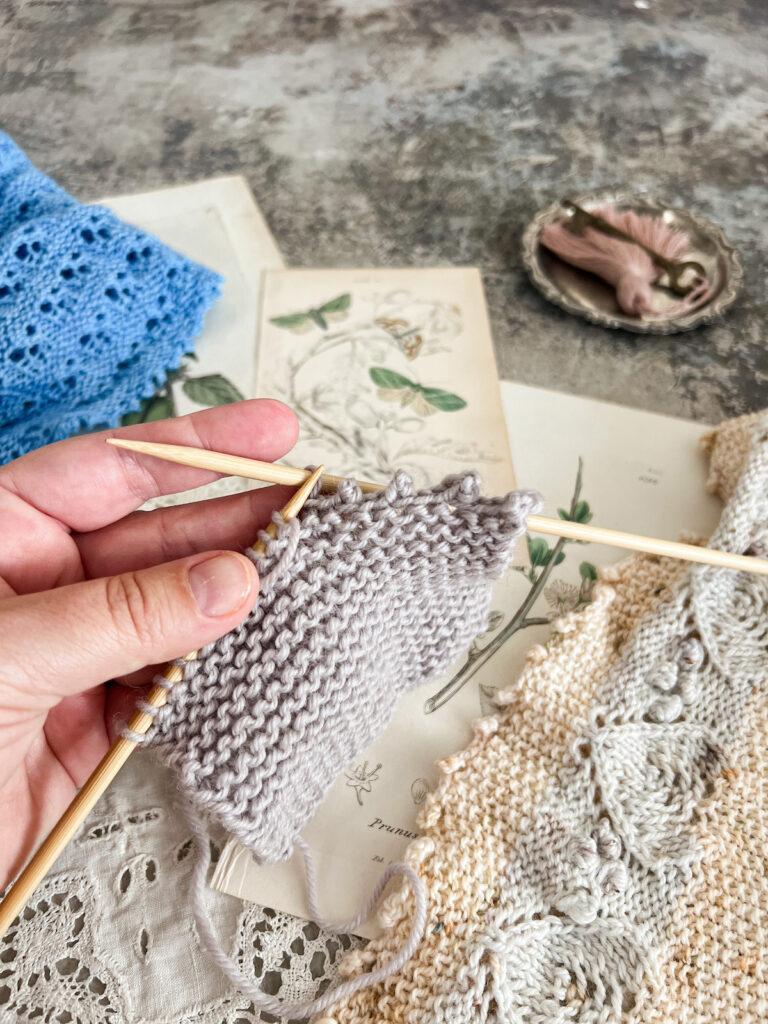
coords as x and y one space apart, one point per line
443 400
131 419
581 513
211 390
158 407
538 551
384 378
587 571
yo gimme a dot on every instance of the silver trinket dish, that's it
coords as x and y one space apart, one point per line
588 296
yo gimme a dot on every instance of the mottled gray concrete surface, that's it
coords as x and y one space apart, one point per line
427 132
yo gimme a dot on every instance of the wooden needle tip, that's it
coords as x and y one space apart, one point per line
292 507
298 498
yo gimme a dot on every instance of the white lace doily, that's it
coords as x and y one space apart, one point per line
108 938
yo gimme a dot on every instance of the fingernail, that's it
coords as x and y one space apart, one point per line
220 584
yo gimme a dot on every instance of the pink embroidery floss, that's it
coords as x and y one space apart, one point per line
627 267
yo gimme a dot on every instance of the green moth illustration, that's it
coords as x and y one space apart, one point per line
329 312
394 387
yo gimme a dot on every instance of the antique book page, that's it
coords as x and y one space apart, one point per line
617 467
218 224
387 369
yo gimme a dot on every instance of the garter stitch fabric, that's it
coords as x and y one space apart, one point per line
93 312
361 600
599 852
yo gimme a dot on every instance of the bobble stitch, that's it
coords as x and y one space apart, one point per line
419 850
608 843
484 728
689 689
613 878
430 813
453 763
666 709
665 677
536 655
464 489
581 907
692 653
354 962
504 697
399 487
393 907
582 853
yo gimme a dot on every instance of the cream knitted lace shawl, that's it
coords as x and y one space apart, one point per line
598 853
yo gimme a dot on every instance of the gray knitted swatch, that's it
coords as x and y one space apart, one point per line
362 600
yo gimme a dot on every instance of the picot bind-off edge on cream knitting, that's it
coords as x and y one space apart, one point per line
361 600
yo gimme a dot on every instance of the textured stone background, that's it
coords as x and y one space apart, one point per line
427 132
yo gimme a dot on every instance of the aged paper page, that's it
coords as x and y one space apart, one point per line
218 224
639 472
386 370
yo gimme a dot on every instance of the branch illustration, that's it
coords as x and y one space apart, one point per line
520 620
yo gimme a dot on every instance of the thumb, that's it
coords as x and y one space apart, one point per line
60 642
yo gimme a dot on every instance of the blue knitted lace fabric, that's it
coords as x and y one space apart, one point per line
93 312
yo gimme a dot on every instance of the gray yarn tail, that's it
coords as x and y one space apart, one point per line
309 1007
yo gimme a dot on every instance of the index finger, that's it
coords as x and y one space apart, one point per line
86 484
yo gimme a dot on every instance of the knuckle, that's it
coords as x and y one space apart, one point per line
165 536
132 609
175 532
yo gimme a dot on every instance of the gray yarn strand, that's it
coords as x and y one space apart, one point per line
271 1004
395 868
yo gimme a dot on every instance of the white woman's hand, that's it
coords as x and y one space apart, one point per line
92 590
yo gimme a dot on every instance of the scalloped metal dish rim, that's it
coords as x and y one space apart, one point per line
705 315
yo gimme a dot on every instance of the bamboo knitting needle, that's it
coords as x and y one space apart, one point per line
267 472
100 778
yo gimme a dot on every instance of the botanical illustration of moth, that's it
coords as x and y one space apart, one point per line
356 370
